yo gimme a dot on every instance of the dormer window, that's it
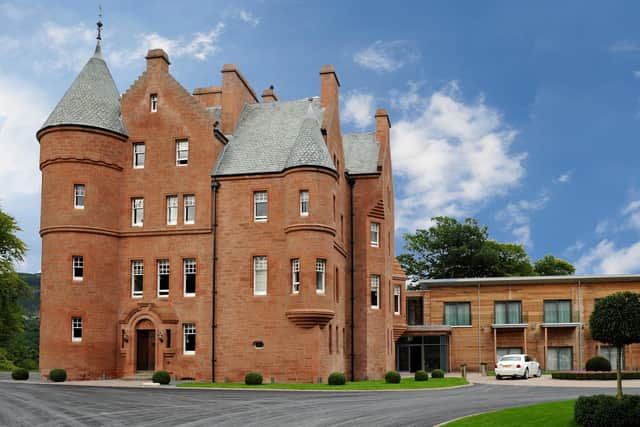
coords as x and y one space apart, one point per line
154 102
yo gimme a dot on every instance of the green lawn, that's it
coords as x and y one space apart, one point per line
406 383
554 414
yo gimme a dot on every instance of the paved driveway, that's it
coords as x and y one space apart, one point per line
55 404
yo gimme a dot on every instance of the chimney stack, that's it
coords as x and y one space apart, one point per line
157 60
329 88
236 92
383 126
269 95
209 96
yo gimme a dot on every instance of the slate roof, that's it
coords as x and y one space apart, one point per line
275 136
361 152
92 100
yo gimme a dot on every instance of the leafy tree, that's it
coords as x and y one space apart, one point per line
552 266
616 321
510 259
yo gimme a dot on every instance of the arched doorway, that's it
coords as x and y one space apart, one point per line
145 346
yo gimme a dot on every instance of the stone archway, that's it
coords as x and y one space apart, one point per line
145 345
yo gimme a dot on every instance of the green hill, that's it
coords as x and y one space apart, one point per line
31 304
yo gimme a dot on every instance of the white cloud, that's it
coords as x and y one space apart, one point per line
387 56
565 177
636 74
632 213
453 156
249 17
576 247
358 109
605 258
624 46
516 217
14 12
69 46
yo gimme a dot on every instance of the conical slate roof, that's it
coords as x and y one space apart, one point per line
309 148
92 100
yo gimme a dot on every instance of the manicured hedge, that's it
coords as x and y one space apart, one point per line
58 375
337 378
20 374
584 375
392 377
598 363
437 373
605 410
161 377
421 375
253 378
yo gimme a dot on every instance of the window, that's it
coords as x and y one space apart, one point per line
189 344
76 329
258 345
172 210
138 155
78 196
78 267
559 358
457 313
295 275
137 211
375 291
611 354
189 209
137 278
503 351
260 206
507 312
375 234
304 203
321 265
259 275
182 152
154 102
557 311
396 300
163 278
168 337
189 267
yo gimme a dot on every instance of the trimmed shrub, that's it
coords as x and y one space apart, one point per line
161 377
253 378
603 410
58 375
20 374
584 375
392 377
598 363
337 378
437 373
421 375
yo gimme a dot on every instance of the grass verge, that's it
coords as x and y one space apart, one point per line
405 384
553 414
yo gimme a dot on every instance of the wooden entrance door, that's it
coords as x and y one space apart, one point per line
146 350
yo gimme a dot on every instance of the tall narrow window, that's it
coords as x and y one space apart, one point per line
137 211
260 206
78 267
137 278
396 300
336 286
167 334
189 344
189 266
163 278
78 196
76 329
189 209
304 203
260 275
375 291
172 210
138 155
375 234
295 275
182 152
321 265
154 102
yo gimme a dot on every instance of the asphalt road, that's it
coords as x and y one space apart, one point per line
54 405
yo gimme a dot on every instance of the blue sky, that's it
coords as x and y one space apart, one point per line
524 116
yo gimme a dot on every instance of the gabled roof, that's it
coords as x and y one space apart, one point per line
275 136
92 100
361 152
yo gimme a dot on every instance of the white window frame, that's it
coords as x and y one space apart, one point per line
189 201
396 300
321 275
172 210
77 262
163 267
153 102
295 275
260 197
374 288
137 204
76 324
79 195
137 269
136 153
374 234
260 263
182 153
188 329
304 202
189 267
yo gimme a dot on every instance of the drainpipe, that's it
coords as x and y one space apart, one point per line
215 185
580 327
479 331
352 184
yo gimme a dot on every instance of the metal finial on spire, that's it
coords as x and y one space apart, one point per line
99 23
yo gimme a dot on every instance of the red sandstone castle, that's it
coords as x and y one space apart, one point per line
210 234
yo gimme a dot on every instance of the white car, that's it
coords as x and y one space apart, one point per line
517 365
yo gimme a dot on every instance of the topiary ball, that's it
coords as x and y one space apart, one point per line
598 363
253 378
421 375
161 377
20 374
392 377
437 373
337 378
58 375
